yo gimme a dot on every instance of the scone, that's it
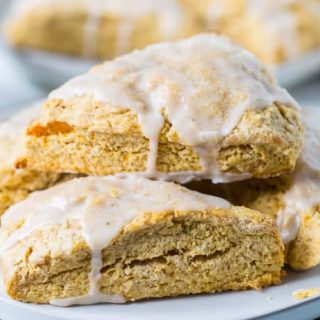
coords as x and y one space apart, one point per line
105 29
109 239
16 184
95 28
293 200
275 30
192 109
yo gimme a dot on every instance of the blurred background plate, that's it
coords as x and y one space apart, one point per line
295 72
50 70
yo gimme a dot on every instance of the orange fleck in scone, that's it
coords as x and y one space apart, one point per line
274 30
16 184
293 200
108 239
95 28
197 108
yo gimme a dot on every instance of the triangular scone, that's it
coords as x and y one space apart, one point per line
16 184
98 28
260 25
198 108
293 200
108 239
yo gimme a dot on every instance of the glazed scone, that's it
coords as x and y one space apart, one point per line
95 28
105 29
274 30
16 184
109 239
192 109
293 200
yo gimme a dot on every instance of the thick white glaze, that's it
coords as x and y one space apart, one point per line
203 85
103 206
304 193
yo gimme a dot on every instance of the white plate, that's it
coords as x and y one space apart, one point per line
271 303
51 70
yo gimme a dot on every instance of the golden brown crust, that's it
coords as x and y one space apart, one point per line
265 143
17 184
266 196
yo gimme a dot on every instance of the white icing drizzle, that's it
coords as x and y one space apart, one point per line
90 38
12 134
203 85
304 193
103 206
215 11
169 12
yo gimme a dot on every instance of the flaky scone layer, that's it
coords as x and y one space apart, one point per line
155 255
265 143
293 199
267 196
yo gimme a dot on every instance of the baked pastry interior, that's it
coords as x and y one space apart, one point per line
293 199
16 184
107 239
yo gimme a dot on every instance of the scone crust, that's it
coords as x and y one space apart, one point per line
265 143
146 248
267 196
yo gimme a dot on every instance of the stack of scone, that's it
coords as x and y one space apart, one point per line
188 111
275 30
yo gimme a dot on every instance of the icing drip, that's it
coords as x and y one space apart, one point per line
186 82
304 193
169 15
168 12
103 206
